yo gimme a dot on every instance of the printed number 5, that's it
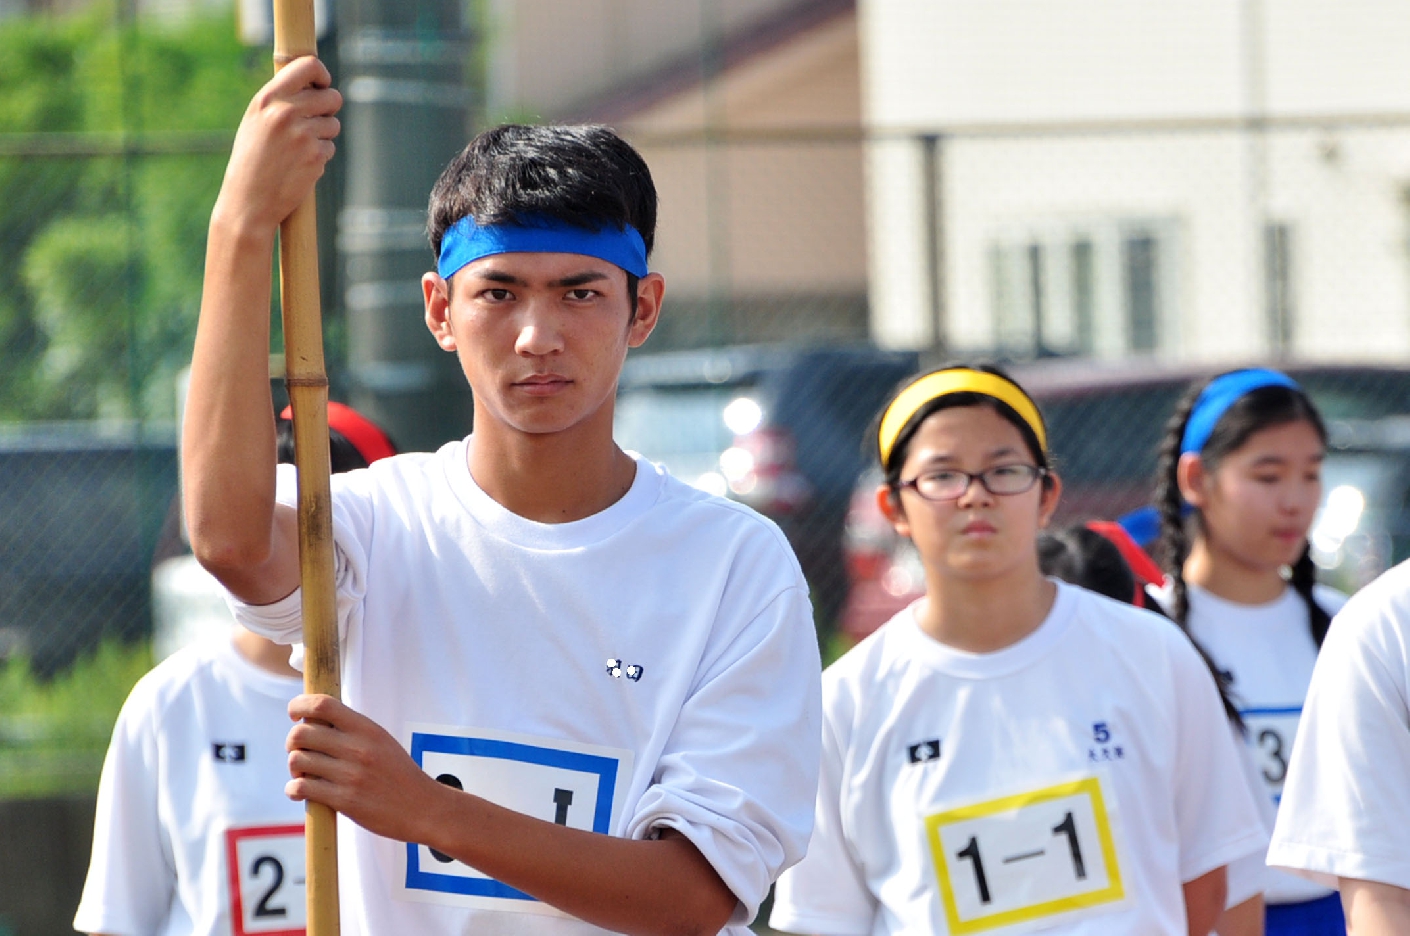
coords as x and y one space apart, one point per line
1101 733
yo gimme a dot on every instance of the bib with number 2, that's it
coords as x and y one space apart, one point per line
1027 860
266 868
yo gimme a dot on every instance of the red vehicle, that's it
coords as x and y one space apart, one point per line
1105 422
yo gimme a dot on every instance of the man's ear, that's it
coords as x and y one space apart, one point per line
1192 479
650 291
436 293
889 503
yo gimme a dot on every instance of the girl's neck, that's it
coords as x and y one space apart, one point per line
1225 576
988 615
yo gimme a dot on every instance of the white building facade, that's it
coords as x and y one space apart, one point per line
1209 180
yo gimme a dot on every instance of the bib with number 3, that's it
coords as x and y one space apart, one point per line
1271 732
1027 860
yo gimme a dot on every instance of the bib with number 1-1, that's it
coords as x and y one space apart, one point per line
1031 859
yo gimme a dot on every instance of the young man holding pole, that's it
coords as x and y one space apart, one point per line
576 688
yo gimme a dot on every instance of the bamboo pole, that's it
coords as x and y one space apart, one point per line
307 383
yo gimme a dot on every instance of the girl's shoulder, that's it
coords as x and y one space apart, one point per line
873 653
1125 626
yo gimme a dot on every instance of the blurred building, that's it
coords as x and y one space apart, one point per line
1202 180
749 113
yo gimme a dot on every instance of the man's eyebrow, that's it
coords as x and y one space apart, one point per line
499 276
566 282
579 279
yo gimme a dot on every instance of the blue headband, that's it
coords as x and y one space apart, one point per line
1222 393
465 242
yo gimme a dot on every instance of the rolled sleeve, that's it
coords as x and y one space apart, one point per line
738 774
282 620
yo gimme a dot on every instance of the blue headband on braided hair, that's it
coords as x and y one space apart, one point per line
1221 393
465 242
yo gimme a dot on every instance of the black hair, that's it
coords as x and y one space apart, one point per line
342 454
1084 557
585 175
891 466
1259 409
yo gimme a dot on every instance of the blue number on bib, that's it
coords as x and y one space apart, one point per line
571 788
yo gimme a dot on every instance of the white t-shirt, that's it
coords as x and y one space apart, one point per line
1269 651
1346 805
1074 780
651 666
191 799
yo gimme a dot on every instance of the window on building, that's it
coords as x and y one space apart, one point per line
1140 277
1096 288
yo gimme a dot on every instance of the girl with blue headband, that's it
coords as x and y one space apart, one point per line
1238 483
1010 752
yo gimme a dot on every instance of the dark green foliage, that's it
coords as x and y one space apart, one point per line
53 734
113 138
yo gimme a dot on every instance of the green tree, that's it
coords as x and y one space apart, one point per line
101 273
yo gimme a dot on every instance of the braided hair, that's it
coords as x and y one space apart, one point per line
1259 409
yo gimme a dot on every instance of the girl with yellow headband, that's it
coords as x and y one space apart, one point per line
1011 753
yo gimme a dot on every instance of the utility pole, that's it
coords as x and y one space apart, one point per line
406 113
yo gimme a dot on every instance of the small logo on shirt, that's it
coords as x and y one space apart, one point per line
228 753
1104 748
617 669
924 751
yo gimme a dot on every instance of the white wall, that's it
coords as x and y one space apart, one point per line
994 73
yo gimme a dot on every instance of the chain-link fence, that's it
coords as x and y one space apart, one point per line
1126 255
1111 265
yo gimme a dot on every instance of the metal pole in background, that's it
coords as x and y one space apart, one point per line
933 195
406 114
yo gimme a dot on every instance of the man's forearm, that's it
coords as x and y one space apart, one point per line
643 887
1375 909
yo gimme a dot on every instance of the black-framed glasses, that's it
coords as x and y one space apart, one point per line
943 484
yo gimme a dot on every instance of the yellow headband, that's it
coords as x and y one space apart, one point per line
956 380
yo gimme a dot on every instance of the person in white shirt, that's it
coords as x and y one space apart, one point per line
1101 556
1010 752
1346 803
580 695
193 835
1238 483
